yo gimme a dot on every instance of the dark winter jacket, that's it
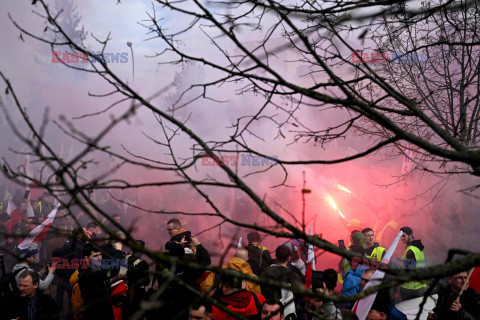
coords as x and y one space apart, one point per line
176 298
470 301
95 288
296 270
245 303
259 258
72 249
45 305
137 275
279 273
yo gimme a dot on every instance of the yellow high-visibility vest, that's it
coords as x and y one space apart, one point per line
420 262
377 253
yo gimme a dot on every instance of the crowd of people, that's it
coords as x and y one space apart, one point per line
82 274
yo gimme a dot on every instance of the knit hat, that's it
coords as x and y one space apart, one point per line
359 239
25 253
407 230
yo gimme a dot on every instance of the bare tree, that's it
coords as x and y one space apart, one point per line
315 35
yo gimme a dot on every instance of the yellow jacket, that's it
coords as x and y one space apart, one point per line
77 300
236 264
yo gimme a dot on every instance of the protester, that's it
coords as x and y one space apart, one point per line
348 314
236 299
200 311
357 238
26 258
32 303
412 258
177 233
237 262
7 246
326 308
259 257
176 297
280 272
298 262
94 286
272 310
138 278
366 276
378 312
451 306
384 297
94 231
373 249
351 281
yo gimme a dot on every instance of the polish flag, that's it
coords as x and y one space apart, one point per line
474 282
310 264
15 215
40 232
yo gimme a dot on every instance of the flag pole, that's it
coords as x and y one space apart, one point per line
465 285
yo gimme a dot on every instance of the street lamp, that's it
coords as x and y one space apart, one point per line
129 44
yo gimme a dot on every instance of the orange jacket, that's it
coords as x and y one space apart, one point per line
239 265
77 300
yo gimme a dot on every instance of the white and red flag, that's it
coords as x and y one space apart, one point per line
310 265
15 215
362 307
40 232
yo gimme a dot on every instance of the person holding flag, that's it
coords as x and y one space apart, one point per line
457 301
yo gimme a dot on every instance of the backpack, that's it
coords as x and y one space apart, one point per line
8 284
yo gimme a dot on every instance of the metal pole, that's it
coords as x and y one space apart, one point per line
129 44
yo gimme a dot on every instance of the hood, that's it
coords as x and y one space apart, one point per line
416 243
240 265
238 300
277 272
74 278
20 266
177 237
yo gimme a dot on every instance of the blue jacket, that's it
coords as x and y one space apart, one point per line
351 282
